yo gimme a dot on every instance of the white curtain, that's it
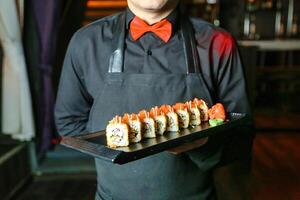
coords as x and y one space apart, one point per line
17 115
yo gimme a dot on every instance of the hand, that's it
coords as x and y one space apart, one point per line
188 146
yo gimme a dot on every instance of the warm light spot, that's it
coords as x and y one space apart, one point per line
222 44
106 4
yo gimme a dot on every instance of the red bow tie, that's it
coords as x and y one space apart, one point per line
162 29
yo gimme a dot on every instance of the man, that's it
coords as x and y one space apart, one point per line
152 54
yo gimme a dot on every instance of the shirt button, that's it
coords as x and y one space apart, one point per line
149 52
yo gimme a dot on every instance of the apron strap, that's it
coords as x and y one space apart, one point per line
191 54
117 58
189 46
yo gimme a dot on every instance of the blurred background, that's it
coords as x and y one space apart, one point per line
34 35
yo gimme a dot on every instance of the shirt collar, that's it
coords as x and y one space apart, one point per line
172 17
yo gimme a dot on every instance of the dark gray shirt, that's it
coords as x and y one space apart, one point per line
149 54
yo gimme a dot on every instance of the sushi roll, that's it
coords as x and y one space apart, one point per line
183 115
160 120
172 118
195 115
203 108
148 124
117 133
217 112
135 125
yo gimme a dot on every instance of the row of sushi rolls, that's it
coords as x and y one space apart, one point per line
121 131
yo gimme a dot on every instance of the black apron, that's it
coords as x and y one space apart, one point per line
162 176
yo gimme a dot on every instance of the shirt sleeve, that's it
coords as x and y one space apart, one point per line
73 102
230 90
231 84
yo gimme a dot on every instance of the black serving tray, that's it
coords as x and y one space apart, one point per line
94 144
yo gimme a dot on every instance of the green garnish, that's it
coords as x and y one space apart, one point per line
215 122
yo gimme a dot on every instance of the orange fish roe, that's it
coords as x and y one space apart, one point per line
143 114
117 119
155 111
166 108
179 106
191 104
134 116
198 102
126 117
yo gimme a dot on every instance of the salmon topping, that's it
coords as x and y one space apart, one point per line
217 112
